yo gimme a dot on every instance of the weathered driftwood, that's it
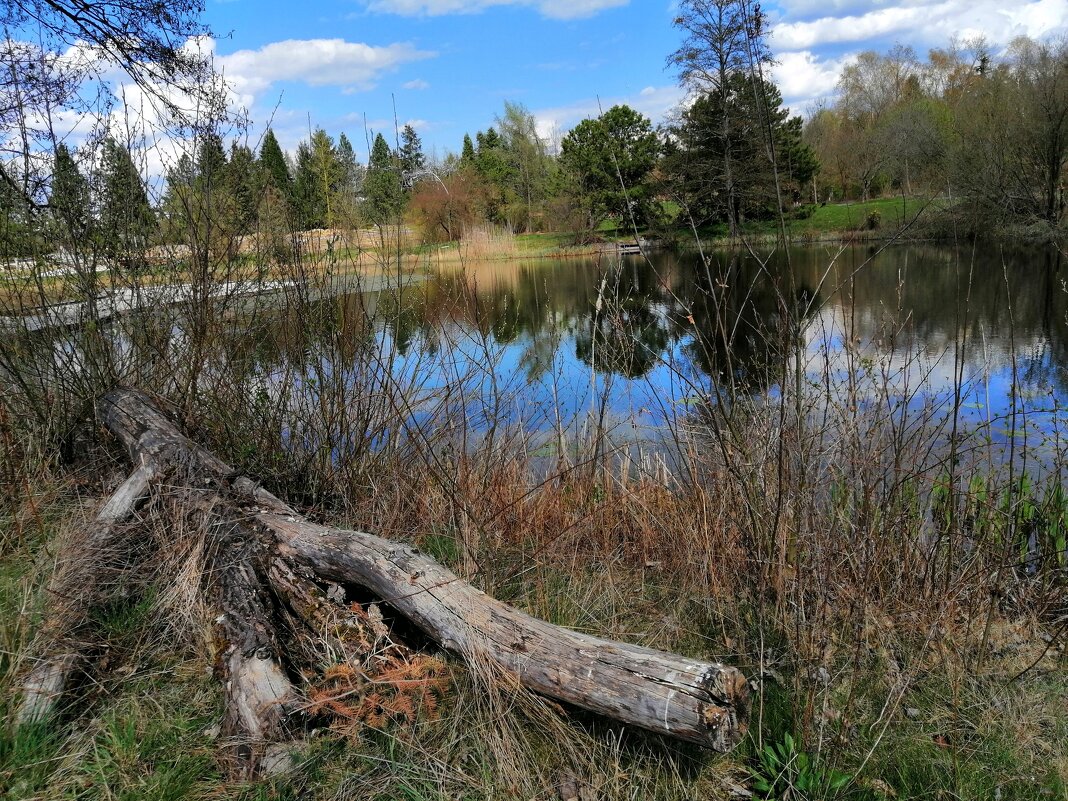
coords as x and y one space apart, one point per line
271 561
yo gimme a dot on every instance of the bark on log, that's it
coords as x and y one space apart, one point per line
692 700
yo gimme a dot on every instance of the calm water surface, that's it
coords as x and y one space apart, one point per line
643 342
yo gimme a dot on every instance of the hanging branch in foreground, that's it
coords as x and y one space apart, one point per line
272 575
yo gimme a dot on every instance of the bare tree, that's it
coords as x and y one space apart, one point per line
56 57
723 37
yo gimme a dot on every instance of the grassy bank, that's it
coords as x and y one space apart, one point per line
906 697
898 607
875 220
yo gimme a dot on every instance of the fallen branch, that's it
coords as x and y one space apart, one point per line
272 565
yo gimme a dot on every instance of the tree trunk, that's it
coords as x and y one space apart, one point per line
270 564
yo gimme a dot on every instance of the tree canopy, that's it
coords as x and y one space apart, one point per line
610 159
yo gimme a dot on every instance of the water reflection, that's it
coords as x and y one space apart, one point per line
643 342
910 326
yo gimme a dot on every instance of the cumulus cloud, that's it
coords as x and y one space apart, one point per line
803 76
553 9
927 23
417 85
316 62
805 72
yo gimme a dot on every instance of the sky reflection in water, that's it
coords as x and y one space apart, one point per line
896 328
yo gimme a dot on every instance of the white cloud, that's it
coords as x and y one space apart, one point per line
554 9
316 62
926 22
803 76
829 30
418 84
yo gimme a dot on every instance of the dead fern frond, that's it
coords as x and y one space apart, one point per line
397 688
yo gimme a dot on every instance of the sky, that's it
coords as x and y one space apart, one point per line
448 66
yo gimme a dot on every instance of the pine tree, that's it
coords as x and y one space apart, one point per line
724 39
610 159
411 158
706 161
382 189
70 200
126 218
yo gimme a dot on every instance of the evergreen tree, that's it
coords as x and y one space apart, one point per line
492 164
610 159
724 38
351 171
242 184
211 203
308 205
178 200
126 218
318 178
274 166
706 160
382 189
350 182
490 159
70 200
17 231
411 158
467 155
211 161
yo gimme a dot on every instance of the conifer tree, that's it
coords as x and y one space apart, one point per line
211 161
383 192
467 155
126 218
274 166
351 181
411 158
241 182
318 177
70 199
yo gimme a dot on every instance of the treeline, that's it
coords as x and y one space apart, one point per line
990 134
617 165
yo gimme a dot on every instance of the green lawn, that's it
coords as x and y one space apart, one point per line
835 217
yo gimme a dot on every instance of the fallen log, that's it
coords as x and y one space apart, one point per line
271 557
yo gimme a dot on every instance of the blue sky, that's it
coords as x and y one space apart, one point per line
451 64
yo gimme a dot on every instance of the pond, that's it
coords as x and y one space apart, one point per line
948 341
978 334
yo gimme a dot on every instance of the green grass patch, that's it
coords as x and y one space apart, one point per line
886 215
